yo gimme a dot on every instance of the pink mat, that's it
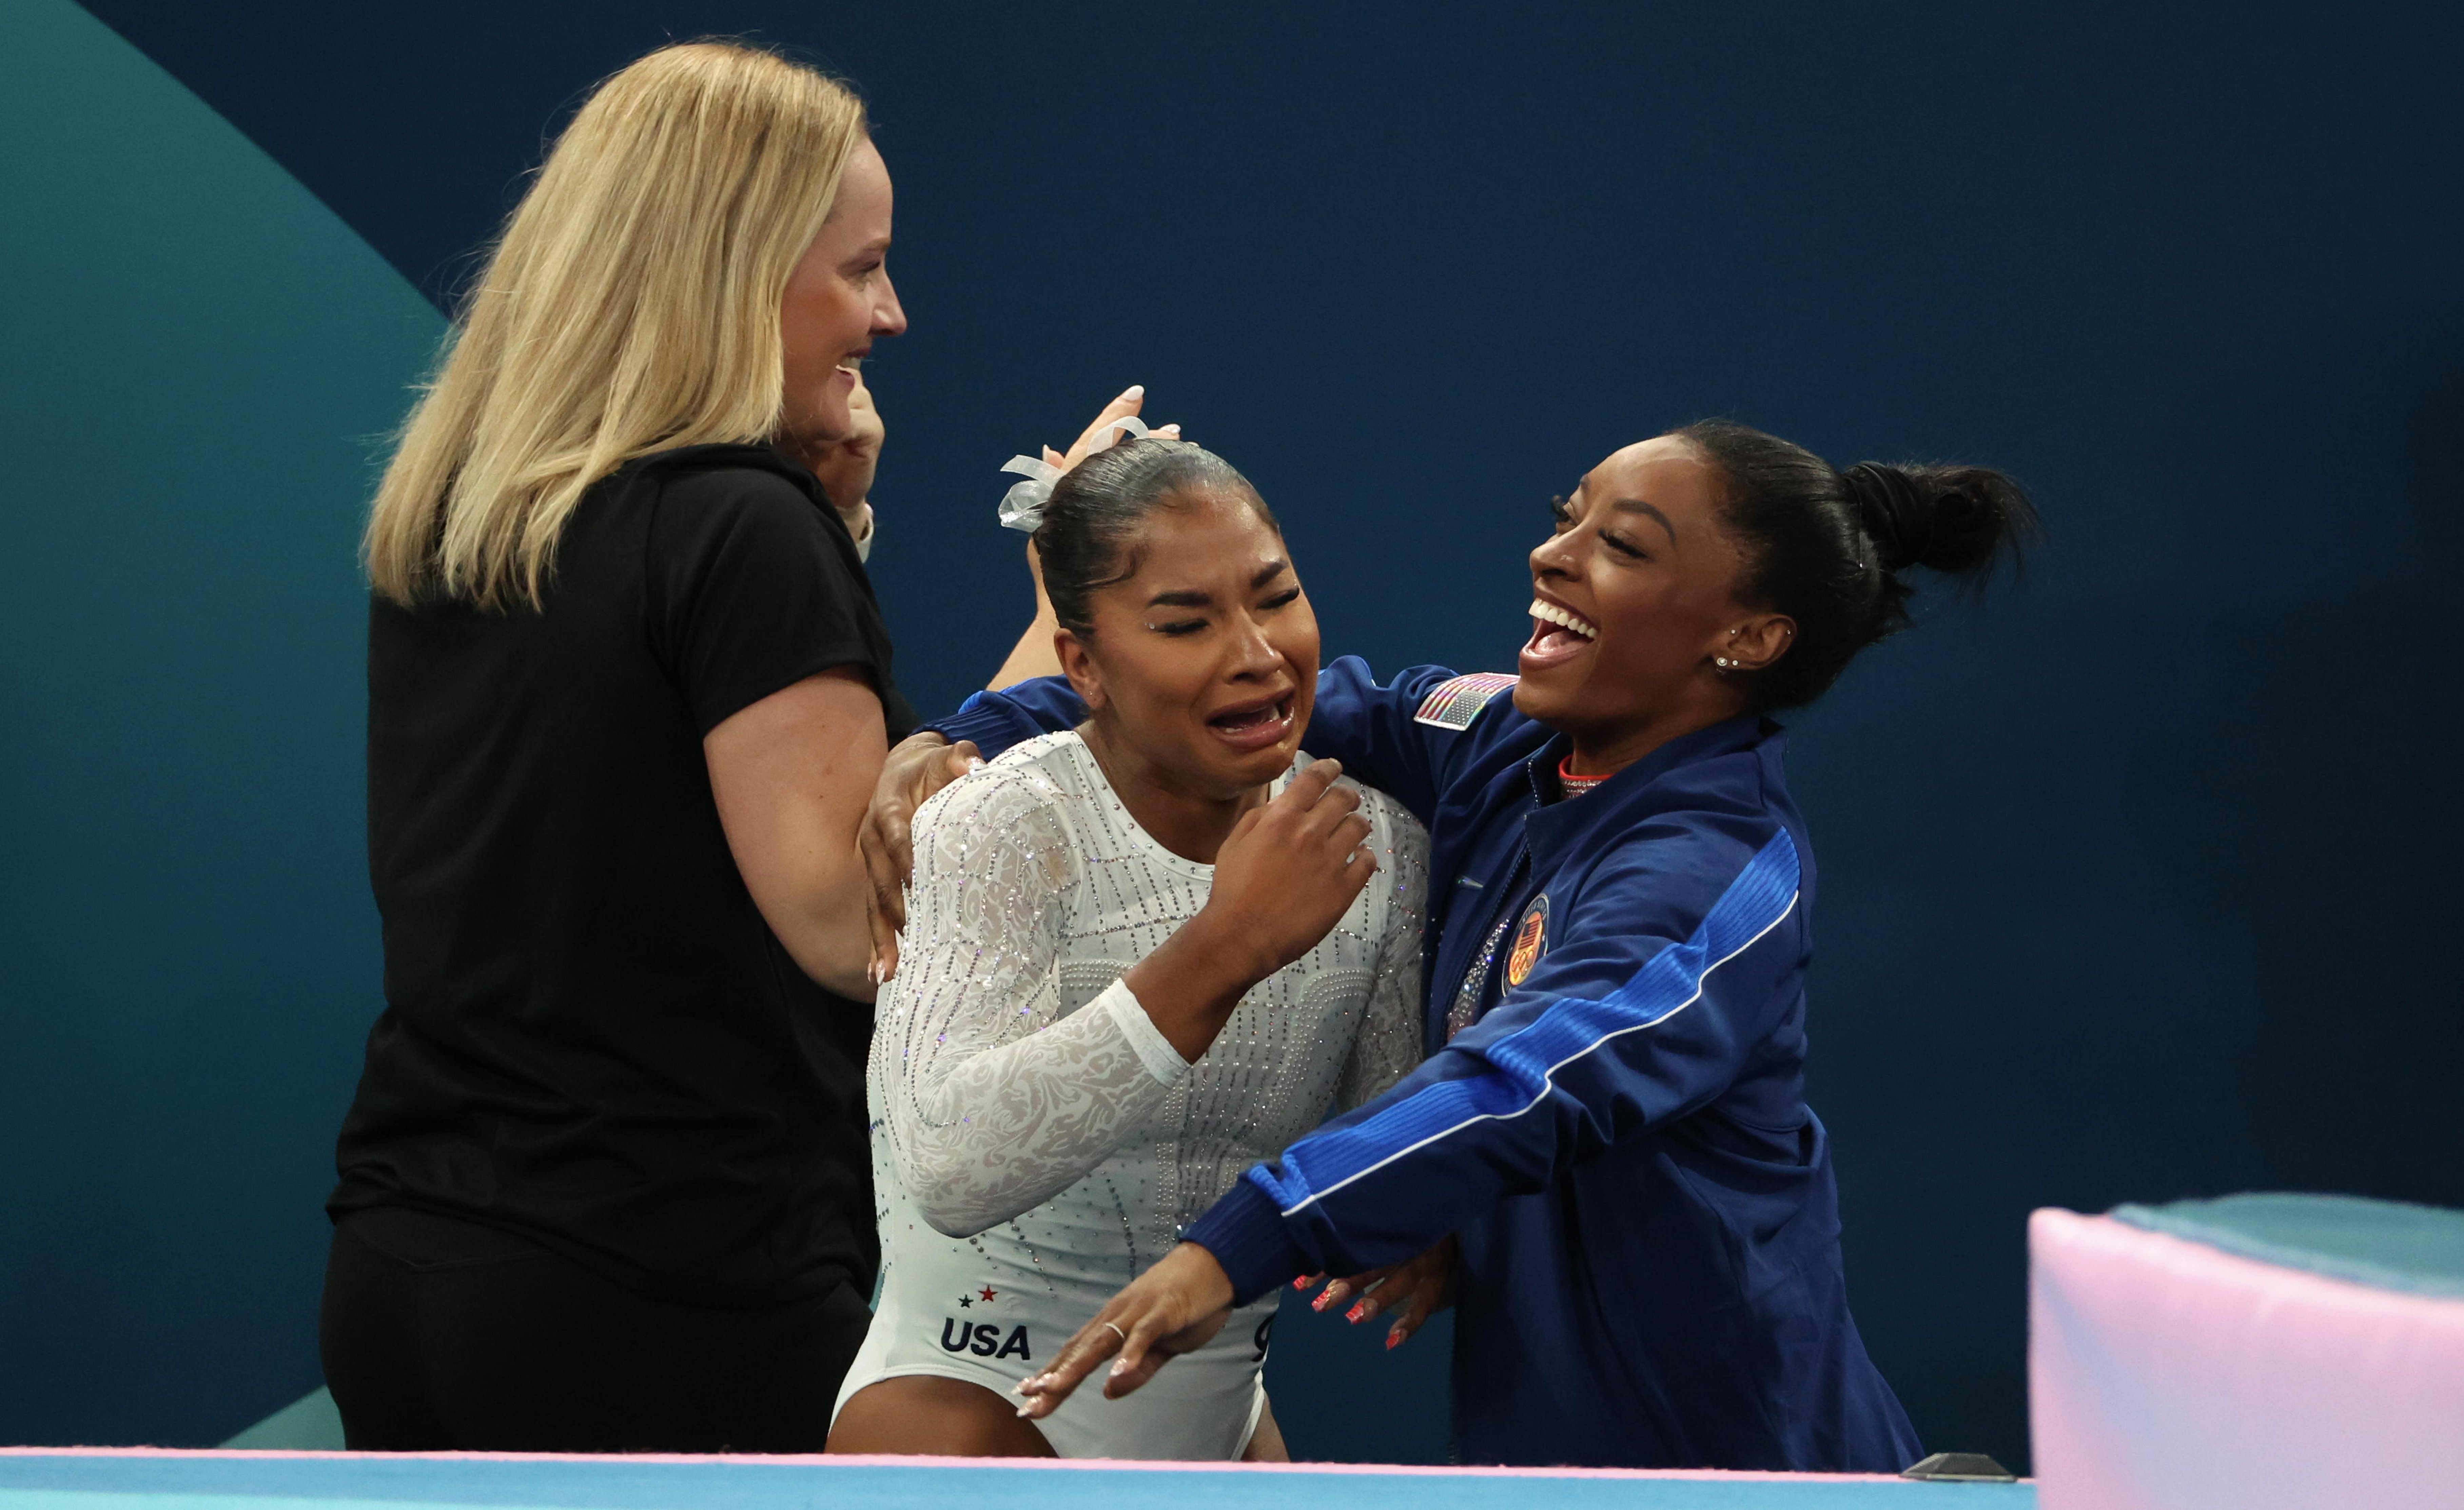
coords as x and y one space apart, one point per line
2164 1374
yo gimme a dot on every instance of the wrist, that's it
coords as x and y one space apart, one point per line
1193 983
1210 1274
1228 949
1246 1234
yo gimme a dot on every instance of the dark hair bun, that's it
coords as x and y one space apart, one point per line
1827 548
1945 518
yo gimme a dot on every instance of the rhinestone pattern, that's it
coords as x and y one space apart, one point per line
1002 1109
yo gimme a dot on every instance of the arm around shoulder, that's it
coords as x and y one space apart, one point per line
1400 735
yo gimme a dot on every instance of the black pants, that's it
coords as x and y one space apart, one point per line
444 1335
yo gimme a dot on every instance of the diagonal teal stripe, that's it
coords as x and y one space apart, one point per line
198 364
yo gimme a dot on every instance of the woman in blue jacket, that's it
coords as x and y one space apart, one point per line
1612 1123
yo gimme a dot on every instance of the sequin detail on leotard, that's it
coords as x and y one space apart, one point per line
1016 1096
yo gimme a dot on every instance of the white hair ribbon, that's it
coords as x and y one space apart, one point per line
1022 508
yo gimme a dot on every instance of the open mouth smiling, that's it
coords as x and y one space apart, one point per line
1557 635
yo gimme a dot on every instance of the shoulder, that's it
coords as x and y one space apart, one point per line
1391 822
722 484
1400 841
740 522
1027 793
1435 695
1715 820
1682 867
1711 834
1455 701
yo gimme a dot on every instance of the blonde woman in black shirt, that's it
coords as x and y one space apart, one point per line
604 1185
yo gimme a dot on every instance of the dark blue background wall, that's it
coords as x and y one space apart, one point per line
2134 884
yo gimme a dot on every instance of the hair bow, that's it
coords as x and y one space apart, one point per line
1022 508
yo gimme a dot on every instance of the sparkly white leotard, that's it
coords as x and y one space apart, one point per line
1037 1143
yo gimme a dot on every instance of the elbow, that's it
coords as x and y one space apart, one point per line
839 978
832 959
959 1220
943 1198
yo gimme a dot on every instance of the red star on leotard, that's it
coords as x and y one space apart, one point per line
986 1292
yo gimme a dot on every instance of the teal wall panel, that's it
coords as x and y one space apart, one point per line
198 365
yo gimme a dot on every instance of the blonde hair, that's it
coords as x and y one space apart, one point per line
632 305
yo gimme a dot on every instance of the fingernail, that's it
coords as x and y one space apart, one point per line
973 764
1121 1366
1393 1340
1325 1298
1359 1311
1301 1284
1022 1409
1136 390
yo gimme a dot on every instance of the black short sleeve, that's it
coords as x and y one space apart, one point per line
752 586
591 1038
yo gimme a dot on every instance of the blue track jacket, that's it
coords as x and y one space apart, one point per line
1650 1235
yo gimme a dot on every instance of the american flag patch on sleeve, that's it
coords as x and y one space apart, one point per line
1455 704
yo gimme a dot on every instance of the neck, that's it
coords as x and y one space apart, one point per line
1605 752
1190 823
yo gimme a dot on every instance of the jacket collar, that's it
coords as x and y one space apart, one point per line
1558 825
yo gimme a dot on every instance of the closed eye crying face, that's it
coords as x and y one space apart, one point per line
1200 657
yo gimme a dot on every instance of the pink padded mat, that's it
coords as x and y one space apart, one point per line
2165 1374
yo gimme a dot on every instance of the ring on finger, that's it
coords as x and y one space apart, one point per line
1117 1332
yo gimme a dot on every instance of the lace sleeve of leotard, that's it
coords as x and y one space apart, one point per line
1389 1045
993 1101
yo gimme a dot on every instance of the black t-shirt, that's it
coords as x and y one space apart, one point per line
590 1037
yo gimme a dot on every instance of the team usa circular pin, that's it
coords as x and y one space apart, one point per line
1530 937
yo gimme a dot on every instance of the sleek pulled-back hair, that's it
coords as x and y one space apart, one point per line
1098 503
1828 548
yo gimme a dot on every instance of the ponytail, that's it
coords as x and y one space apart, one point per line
1829 548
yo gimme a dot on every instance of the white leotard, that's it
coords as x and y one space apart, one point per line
1037 1143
